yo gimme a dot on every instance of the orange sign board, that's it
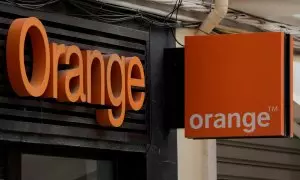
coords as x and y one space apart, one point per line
92 78
238 85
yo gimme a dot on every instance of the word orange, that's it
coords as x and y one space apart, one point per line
247 121
93 78
239 85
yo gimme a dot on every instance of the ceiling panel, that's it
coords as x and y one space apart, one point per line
278 10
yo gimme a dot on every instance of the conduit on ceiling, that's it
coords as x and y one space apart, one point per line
214 17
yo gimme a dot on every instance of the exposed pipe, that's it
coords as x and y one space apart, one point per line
214 18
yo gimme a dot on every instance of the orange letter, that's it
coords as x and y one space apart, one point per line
115 93
70 83
56 53
94 72
15 57
135 77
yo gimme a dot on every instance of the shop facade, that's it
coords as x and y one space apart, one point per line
45 139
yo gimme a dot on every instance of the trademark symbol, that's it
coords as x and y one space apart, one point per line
273 108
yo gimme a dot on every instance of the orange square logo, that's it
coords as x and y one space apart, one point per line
238 85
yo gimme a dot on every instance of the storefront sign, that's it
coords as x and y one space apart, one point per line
92 78
238 85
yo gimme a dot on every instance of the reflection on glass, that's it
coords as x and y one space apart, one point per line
36 167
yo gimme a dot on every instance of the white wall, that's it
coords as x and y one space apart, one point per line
297 94
196 158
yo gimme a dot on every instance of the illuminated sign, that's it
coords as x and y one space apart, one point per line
92 78
238 85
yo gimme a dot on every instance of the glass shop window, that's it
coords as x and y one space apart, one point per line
38 167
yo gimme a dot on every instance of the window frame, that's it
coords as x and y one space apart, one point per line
121 170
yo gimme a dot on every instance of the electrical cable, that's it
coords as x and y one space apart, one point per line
167 22
34 4
109 18
238 12
145 17
96 10
174 36
169 16
176 18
